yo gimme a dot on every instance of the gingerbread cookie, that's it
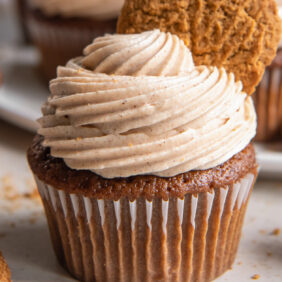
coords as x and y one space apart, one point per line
5 275
240 35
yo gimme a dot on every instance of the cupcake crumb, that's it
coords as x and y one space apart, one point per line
255 277
13 197
269 254
32 220
275 232
262 231
239 263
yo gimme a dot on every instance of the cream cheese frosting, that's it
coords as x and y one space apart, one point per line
98 9
136 104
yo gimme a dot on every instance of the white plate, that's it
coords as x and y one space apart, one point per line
22 92
269 157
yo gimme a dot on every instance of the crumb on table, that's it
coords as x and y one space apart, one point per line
255 277
262 231
275 232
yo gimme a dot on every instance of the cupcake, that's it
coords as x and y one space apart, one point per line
61 29
144 162
268 98
5 275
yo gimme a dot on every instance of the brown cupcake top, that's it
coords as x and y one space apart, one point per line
54 172
5 275
242 36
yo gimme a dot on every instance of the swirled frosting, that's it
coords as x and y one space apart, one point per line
151 53
136 104
99 9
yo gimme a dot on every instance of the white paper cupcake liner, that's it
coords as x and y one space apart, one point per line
189 239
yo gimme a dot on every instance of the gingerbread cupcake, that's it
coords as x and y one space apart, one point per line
62 28
144 162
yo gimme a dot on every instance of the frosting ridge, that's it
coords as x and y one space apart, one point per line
148 53
163 117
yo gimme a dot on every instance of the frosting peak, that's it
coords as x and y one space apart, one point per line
152 53
119 113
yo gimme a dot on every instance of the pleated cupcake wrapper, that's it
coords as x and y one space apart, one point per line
268 103
58 43
189 239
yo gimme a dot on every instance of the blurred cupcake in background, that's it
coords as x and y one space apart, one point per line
62 28
21 10
268 98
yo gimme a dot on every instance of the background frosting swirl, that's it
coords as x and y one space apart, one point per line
99 9
163 116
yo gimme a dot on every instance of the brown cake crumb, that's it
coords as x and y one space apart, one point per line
10 192
275 232
255 277
262 231
241 36
13 198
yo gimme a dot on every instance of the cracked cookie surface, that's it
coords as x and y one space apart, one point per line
240 35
